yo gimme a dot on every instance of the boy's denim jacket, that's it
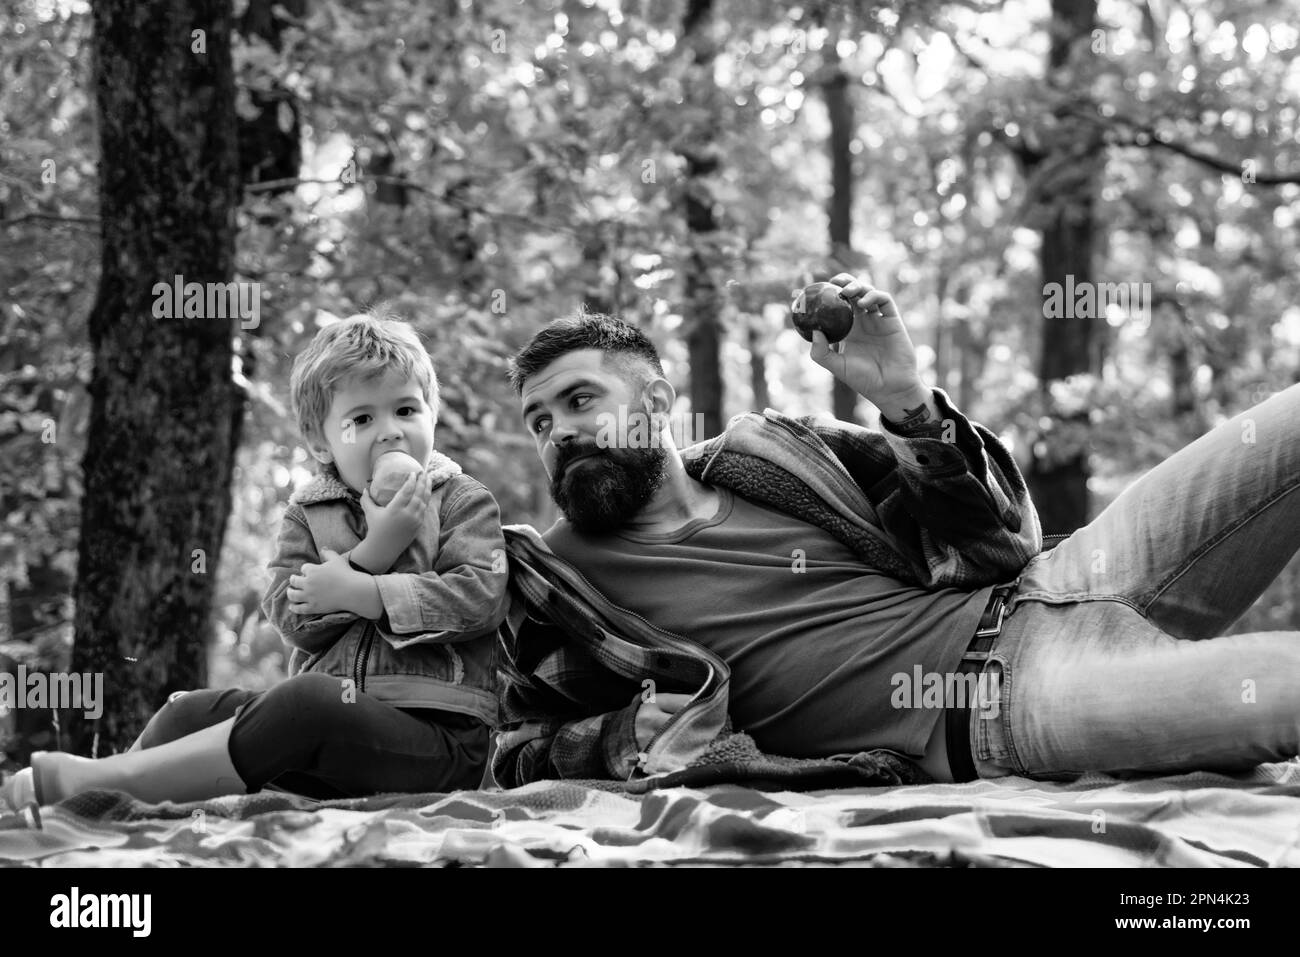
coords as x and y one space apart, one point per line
942 506
443 599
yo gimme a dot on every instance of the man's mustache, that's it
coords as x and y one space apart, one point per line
568 455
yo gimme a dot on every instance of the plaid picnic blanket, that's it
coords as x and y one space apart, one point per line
1192 820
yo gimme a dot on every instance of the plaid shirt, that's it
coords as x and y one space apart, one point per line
941 506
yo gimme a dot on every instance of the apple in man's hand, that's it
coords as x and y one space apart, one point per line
822 308
391 470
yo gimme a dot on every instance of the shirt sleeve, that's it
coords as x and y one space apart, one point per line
310 633
464 595
963 511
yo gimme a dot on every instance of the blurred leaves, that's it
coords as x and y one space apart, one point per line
486 167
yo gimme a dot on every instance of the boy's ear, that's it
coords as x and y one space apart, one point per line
320 453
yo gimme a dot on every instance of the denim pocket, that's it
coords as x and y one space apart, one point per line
992 741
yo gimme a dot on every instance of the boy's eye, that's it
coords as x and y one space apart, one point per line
408 408
359 420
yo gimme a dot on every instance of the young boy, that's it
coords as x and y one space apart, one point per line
391 612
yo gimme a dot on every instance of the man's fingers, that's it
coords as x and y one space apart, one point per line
875 300
821 346
854 291
825 354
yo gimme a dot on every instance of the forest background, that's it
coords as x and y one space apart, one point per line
487 166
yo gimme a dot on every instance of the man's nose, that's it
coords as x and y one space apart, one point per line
563 432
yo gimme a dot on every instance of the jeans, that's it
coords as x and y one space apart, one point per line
304 735
1113 656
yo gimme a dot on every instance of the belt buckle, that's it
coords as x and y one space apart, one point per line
993 630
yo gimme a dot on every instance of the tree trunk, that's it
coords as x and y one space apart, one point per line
269 145
597 294
758 363
844 401
166 417
1058 479
702 308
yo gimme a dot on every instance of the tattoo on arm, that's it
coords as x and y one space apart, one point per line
914 417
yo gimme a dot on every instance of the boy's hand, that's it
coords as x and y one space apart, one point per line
394 526
320 589
876 359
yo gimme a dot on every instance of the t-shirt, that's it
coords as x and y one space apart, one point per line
813 635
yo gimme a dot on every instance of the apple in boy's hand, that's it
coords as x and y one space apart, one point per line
822 308
391 470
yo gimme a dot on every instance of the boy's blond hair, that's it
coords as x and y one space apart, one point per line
361 347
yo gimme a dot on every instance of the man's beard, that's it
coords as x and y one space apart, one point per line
605 491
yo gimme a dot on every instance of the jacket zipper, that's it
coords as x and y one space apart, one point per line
361 659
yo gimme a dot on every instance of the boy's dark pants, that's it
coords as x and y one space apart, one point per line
303 736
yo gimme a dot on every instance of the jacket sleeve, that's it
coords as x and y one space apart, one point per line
464 595
541 732
310 633
963 513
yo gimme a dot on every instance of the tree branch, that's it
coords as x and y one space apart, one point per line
1161 139
51 218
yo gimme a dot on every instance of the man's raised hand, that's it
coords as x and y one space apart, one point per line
876 359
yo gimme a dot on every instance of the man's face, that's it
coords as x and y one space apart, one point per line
370 417
577 411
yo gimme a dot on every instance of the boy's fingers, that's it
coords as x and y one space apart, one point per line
406 491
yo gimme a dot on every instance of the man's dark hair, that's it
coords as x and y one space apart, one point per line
623 344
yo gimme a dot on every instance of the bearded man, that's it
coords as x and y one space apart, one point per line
831 589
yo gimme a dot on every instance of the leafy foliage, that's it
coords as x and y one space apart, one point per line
487 166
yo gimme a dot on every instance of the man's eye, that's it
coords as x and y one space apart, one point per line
581 399
539 423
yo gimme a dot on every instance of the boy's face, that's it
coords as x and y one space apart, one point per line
370 417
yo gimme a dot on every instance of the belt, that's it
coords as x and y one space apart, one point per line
957 729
